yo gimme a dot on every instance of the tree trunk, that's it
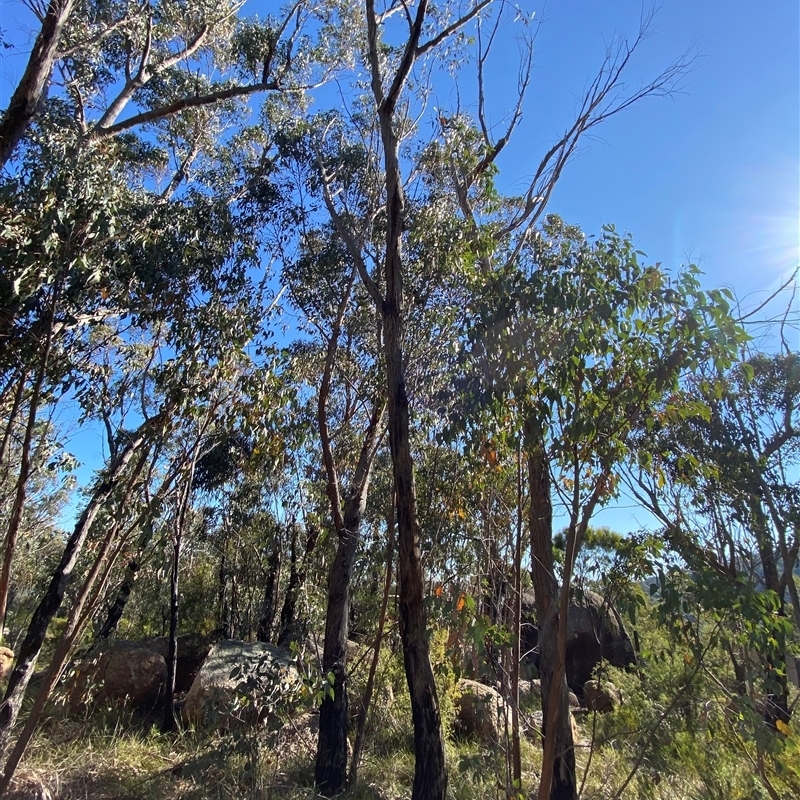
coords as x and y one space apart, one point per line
18 507
79 614
50 603
331 762
291 626
376 654
558 781
289 607
430 771
516 632
31 89
117 608
330 774
172 649
270 594
12 419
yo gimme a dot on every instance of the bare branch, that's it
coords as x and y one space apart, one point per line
389 103
183 168
761 306
603 99
451 29
494 150
167 110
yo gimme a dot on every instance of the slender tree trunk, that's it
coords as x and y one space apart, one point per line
51 601
172 650
31 89
366 702
12 418
288 609
222 595
516 752
117 608
430 771
79 614
290 624
18 508
330 772
270 595
559 780
331 762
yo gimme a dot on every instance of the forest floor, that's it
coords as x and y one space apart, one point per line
128 758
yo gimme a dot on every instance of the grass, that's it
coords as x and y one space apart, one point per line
125 757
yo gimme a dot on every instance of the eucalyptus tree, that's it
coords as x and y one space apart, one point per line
400 44
99 267
156 60
129 104
721 478
348 414
572 348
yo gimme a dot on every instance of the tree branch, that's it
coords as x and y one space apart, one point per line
451 29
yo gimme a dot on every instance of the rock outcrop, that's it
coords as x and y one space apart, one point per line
241 683
193 649
6 663
595 632
530 690
601 696
119 673
478 712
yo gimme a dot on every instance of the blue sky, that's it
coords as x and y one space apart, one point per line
710 175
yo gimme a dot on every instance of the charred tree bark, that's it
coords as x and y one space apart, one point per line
270 595
117 608
376 654
430 768
559 781
291 626
331 762
172 649
516 655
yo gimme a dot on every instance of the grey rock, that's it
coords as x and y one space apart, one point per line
601 696
242 683
119 673
595 631
478 712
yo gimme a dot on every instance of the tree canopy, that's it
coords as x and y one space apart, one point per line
341 390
